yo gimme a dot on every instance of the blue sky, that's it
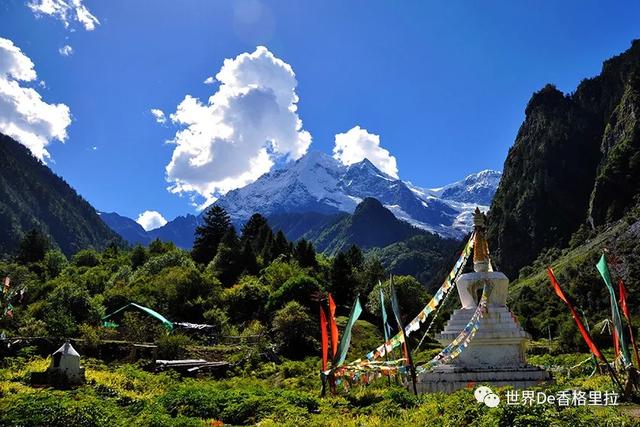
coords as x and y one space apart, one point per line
443 85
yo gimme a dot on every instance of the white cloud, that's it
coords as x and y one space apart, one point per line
159 115
357 144
239 133
65 50
65 11
150 220
24 116
209 80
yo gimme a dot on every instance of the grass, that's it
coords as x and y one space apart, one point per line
276 395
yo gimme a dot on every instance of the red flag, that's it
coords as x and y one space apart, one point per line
585 334
623 299
333 326
625 311
616 342
324 337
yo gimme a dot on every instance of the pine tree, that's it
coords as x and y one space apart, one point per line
342 284
227 264
304 253
266 253
280 245
255 232
33 247
355 257
248 261
208 236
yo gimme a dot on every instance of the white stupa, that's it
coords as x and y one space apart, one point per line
65 365
496 354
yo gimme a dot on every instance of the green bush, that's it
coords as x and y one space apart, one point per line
173 346
237 406
246 300
56 409
86 258
302 288
294 331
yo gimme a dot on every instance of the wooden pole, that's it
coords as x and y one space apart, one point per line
407 348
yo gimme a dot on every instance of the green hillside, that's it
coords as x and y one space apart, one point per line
575 161
33 197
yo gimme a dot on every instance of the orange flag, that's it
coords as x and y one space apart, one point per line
585 334
324 337
333 326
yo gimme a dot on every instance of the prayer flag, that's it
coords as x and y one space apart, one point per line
603 268
346 336
333 327
585 334
324 338
625 311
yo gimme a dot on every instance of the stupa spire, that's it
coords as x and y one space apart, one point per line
480 246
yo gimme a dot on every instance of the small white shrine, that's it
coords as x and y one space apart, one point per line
64 370
65 362
496 354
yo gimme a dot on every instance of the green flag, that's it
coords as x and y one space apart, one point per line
385 323
346 335
603 268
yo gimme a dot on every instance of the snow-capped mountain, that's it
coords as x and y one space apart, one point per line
317 186
462 196
319 183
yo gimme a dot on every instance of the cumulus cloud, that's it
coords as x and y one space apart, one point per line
150 220
159 115
238 134
65 50
358 144
24 116
209 80
65 11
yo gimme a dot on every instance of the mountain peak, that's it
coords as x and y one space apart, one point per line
369 205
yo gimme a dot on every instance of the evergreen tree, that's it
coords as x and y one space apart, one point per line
227 265
248 261
368 276
305 254
255 231
139 256
342 284
33 247
267 251
280 245
158 247
208 236
355 257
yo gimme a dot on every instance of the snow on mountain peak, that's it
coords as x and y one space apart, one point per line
319 183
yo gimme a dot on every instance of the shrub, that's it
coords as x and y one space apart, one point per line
56 409
294 330
246 300
54 263
300 288
139 328
218 318
86 258
173 346
90 336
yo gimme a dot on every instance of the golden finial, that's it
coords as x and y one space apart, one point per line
480 246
